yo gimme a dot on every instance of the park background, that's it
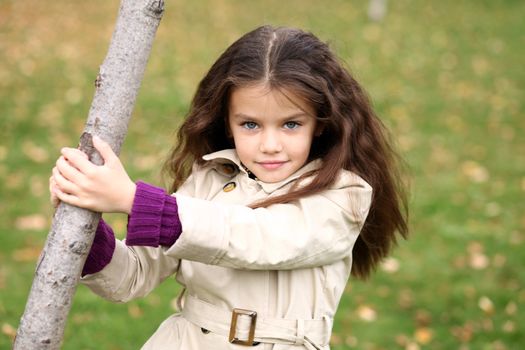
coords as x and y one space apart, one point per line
447 78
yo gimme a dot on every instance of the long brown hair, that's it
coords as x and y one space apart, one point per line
352 138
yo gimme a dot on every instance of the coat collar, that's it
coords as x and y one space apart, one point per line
227 162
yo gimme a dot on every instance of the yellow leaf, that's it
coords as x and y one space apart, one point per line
9 331
335 339
509 327
135 311
27 254
511 308
390 265
366 313
351 341
478 261
486 305
35 153
423 335
31 222
474 171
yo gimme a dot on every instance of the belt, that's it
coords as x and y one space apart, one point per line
246 327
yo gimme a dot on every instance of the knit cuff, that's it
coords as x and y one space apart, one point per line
101 251
171 227
154 218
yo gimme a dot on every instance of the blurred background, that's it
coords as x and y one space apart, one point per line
446 77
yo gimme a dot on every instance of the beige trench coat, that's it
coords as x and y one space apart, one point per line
288 262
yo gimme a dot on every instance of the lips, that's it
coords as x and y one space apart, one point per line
272 164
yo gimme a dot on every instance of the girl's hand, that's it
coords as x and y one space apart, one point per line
52 185
77 181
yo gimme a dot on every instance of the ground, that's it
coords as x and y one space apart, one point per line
446 77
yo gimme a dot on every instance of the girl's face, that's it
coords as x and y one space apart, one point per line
272 132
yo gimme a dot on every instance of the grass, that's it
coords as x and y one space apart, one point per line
447 79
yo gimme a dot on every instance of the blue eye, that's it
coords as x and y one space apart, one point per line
291 125
249 125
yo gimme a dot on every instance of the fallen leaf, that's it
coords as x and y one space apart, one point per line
402 340
31 222
511 308
36 153
463 333
135 311
475 247
486 305
478 261
26 254
508 327
412 346
335 339
390 265
423 335
351 341
423 318
498 345
9 331
474 171
366 313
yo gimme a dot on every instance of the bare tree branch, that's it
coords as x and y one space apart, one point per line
72 231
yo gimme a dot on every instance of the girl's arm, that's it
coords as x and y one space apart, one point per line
112 269
314 231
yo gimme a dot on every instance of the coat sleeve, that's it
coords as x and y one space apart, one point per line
134 271
313 231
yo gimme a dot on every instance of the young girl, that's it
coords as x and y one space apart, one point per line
284 183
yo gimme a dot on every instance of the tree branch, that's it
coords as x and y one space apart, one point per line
72 231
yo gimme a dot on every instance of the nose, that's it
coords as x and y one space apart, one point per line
270 142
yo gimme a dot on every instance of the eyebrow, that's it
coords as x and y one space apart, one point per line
288 117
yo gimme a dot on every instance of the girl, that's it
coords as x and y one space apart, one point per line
284 184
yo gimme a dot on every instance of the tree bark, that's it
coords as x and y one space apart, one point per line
72 231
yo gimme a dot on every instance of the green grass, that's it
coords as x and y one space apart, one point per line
447 78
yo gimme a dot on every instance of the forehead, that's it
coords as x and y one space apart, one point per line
256 99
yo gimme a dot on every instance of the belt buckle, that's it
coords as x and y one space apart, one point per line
251 334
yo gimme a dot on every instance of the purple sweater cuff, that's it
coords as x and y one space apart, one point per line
102 249
154 218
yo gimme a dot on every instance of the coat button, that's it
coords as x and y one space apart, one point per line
230 186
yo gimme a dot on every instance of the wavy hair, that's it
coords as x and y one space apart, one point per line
353 137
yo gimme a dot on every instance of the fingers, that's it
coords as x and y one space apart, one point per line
61 183
77 159
66 197
67 169
104 149
52 187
